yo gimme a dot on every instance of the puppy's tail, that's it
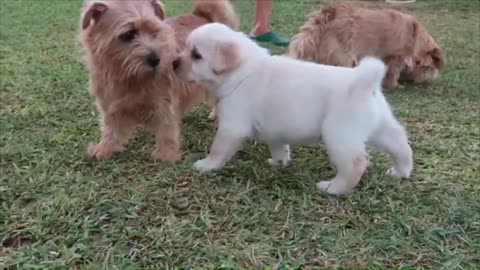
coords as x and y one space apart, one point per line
221 11
369 76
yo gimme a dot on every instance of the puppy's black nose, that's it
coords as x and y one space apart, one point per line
153 60
176 64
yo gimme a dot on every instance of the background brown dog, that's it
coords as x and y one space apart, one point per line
341 34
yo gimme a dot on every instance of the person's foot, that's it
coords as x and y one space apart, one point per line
271 37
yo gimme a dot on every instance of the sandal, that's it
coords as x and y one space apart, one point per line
273 38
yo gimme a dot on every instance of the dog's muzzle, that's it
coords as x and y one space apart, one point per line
152 60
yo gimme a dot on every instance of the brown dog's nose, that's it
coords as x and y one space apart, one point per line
176 64
153 60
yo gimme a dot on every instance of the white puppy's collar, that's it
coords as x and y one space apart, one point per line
229 93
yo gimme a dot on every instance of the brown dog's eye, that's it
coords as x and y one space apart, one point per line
196 55
129 36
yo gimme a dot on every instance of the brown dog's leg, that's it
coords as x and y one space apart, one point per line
167 128
115 132
395 66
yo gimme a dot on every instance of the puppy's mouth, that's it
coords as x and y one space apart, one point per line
187 80
180 75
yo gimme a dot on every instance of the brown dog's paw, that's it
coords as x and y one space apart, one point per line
391 84
167 155
102 151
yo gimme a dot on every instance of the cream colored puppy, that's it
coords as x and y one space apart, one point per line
285 101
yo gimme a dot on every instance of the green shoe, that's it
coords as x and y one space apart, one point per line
273 38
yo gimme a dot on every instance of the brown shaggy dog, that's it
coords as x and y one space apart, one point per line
128 47
341 34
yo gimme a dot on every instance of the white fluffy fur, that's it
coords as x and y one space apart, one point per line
290 102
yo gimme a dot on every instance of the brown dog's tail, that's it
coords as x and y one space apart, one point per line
221 11
304 44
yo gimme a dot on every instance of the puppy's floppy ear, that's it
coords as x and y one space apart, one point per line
437 58
227 58
94 11
159 9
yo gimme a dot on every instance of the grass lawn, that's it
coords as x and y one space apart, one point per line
61 210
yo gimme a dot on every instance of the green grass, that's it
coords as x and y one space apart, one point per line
61 210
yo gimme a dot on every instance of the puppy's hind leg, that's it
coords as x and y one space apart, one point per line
346 148
392 138
351 163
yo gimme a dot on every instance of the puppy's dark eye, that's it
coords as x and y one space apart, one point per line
129 35
196 55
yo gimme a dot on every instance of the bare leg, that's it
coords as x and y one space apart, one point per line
263 13
223 148
280 154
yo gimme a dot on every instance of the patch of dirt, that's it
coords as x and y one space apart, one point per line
9 98
11 243
181 192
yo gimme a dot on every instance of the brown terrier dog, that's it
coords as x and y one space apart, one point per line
128 47
341 34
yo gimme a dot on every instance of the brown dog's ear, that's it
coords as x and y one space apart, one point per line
437 58
227 58
159 9
329 13
93 12
415 30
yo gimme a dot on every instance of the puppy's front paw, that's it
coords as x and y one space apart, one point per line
332 188
282 163
205 165
213 114
400 174
103 151
323 185
167 155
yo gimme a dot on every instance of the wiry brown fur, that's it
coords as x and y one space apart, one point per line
129 91
341 34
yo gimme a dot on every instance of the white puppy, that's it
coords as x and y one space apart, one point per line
285 101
